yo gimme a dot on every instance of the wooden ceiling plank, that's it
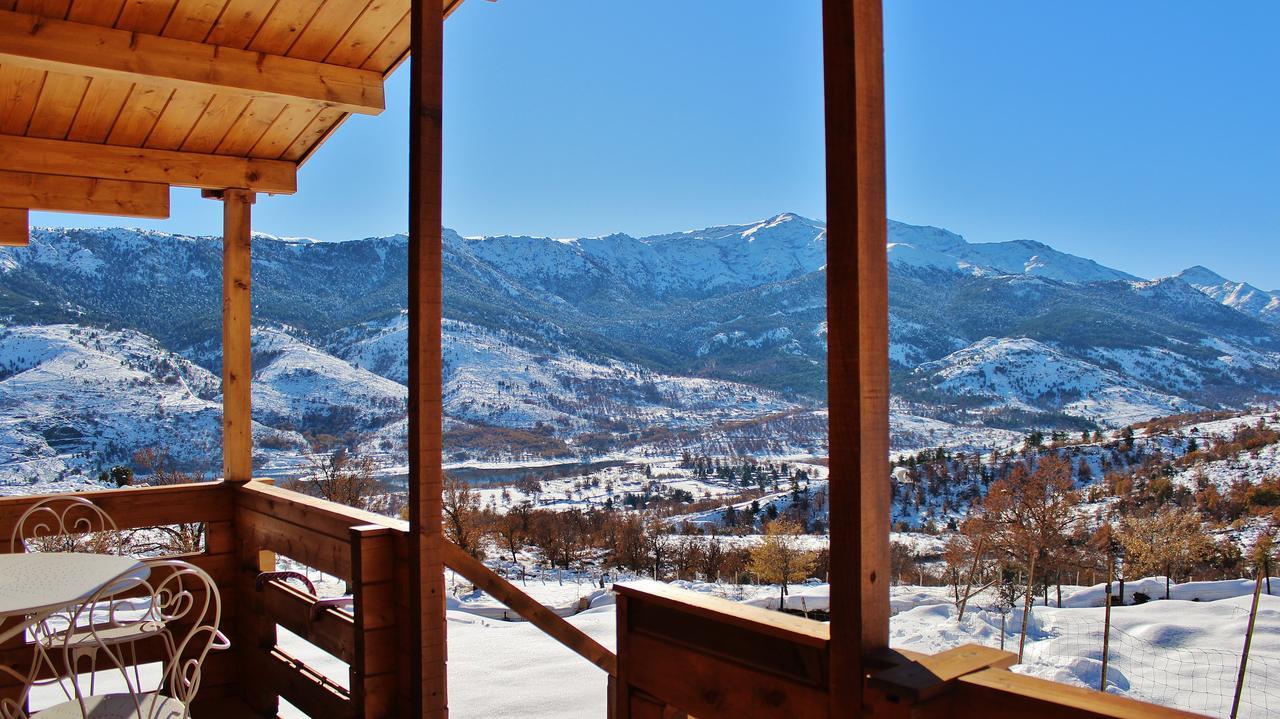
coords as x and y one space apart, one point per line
367 33
99 109
15 227
183 169
56 109
77 48
392 51
249 127
61 193
139 115
19 91
56 9
284 25
193 19
214 123
315 133
95 12
239 23
178 119
286 128
324 31
147 16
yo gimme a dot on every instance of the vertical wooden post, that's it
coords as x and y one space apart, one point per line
237 369
14 227
857 339
426 477
250 631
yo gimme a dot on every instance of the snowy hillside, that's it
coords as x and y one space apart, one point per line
713 336
1240 296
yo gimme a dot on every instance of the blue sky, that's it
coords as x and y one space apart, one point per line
1140 134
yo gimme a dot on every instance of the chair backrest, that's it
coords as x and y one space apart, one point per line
177 605
66 524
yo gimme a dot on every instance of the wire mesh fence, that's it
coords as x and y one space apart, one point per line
1154 662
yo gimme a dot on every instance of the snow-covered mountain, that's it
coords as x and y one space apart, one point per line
1239 296
580 346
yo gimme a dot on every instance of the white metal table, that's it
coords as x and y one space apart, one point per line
32 586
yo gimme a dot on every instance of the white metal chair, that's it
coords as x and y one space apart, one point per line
66 524
177 608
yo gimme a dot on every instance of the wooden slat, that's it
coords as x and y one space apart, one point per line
756 619
239 22
303 687
331 629
185 108
857 320
428 670
706 687
329 518
19 91
300 543
82 49
1001 693
249 127
532 610
326 28
139 115
60 193
60 95
214 123
321 127
183 169
145 16
192 19
392 50
15 227
366 34
283 131
283 26
136 507
96 12
99 109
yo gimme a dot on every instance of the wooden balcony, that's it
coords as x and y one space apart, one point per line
679 653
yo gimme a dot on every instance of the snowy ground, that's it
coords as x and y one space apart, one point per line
1183 652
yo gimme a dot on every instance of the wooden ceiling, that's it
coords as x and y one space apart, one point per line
214 94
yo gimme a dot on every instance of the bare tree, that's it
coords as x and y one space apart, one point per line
340 476
464 523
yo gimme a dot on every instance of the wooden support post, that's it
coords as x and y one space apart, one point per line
237 368
858 331
426 476
14 227
1106 624
1248 640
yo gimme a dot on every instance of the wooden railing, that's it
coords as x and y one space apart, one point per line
209 504
248 527
681 653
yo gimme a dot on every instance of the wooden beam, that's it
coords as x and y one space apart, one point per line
428 675
858 337
237 370
15 227
551 624
112 162
62 193
91 50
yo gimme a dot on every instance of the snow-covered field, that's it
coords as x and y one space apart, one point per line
1183 652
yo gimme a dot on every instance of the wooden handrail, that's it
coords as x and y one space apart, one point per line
1001 693
548 621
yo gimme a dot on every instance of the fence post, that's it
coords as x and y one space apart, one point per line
1106 623
1248 639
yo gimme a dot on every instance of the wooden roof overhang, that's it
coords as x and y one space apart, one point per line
106 104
